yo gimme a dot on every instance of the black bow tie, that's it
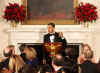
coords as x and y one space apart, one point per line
52 34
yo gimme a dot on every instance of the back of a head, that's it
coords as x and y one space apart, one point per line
11 46
58 61
28 68
46 68
16 63
59 56
68 51
19 63
22 47
30 53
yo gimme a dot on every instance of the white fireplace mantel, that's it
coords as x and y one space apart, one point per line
37 28
34 34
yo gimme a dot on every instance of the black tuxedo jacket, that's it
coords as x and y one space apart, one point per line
56 39
89 67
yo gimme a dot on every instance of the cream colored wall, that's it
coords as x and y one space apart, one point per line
4 26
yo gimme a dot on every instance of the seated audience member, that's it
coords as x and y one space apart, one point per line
88 66
15 63
70 62
81 58
46 69
8 52
68 56
57 64
31 56
68 65
22 50
28 68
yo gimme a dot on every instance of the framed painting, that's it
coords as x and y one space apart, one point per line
45 11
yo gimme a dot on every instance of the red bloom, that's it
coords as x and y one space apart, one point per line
86 12
14 12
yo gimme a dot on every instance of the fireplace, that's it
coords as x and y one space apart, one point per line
39 49
34 34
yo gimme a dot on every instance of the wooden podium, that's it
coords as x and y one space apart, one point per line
53 48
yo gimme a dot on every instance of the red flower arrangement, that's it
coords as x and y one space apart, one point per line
14 12
86 13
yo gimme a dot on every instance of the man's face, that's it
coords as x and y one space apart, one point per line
50 29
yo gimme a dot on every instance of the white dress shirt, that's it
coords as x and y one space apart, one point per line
52 38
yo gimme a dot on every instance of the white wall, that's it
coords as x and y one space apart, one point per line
4 26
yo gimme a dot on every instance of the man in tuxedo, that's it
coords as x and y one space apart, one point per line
53 36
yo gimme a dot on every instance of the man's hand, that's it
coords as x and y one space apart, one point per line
44 61
61 34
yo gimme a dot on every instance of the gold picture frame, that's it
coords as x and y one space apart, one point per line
46 21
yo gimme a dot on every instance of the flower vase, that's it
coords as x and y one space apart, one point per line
13 24
86 25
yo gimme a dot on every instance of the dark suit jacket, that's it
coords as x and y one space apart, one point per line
70 65
89 67
56 39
